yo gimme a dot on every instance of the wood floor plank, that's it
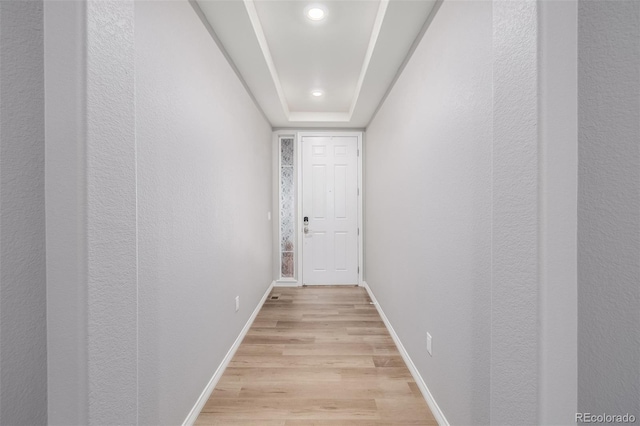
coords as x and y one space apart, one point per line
317 356
264 349
312 325
400 410
358 423
212 419
325 390
288 408
270 339
265 323
386 373
388 361
259 374
271 361
345 348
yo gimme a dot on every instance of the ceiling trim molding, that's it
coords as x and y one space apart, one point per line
318 129
264 46
375 32
412 49
319 116
203 18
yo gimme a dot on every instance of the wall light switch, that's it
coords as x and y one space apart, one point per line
429 344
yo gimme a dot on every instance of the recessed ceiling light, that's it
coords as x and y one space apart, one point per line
315 12
317 93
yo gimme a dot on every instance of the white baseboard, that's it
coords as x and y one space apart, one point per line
206 393
437 413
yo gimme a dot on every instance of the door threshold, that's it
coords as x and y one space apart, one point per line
330 285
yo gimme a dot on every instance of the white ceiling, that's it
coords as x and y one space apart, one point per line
353 55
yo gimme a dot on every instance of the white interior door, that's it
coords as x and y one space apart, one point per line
330 202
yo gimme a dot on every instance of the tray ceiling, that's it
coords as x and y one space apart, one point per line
351 56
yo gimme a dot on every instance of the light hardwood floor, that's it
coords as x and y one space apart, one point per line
317 356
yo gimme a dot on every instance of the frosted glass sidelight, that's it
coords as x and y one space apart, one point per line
286 150
287 208
287 265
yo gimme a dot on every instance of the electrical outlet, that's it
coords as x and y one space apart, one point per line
237 303
429 345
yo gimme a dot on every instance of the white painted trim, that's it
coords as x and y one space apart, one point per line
428 397
360 211
206 393
375 32
298 152
406 60
223 50
279 172
264 46
295 116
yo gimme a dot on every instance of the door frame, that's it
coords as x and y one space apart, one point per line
299 136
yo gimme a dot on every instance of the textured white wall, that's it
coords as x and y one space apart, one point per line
112 281
456 216
91 213
428 208
471 181
204 190
23 369
609 207
158 171
515 215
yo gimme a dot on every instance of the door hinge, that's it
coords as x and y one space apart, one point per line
358 152
358 269
358 231
358 191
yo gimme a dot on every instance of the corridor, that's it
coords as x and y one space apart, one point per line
168 166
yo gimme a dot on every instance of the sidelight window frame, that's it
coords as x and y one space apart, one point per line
289 257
